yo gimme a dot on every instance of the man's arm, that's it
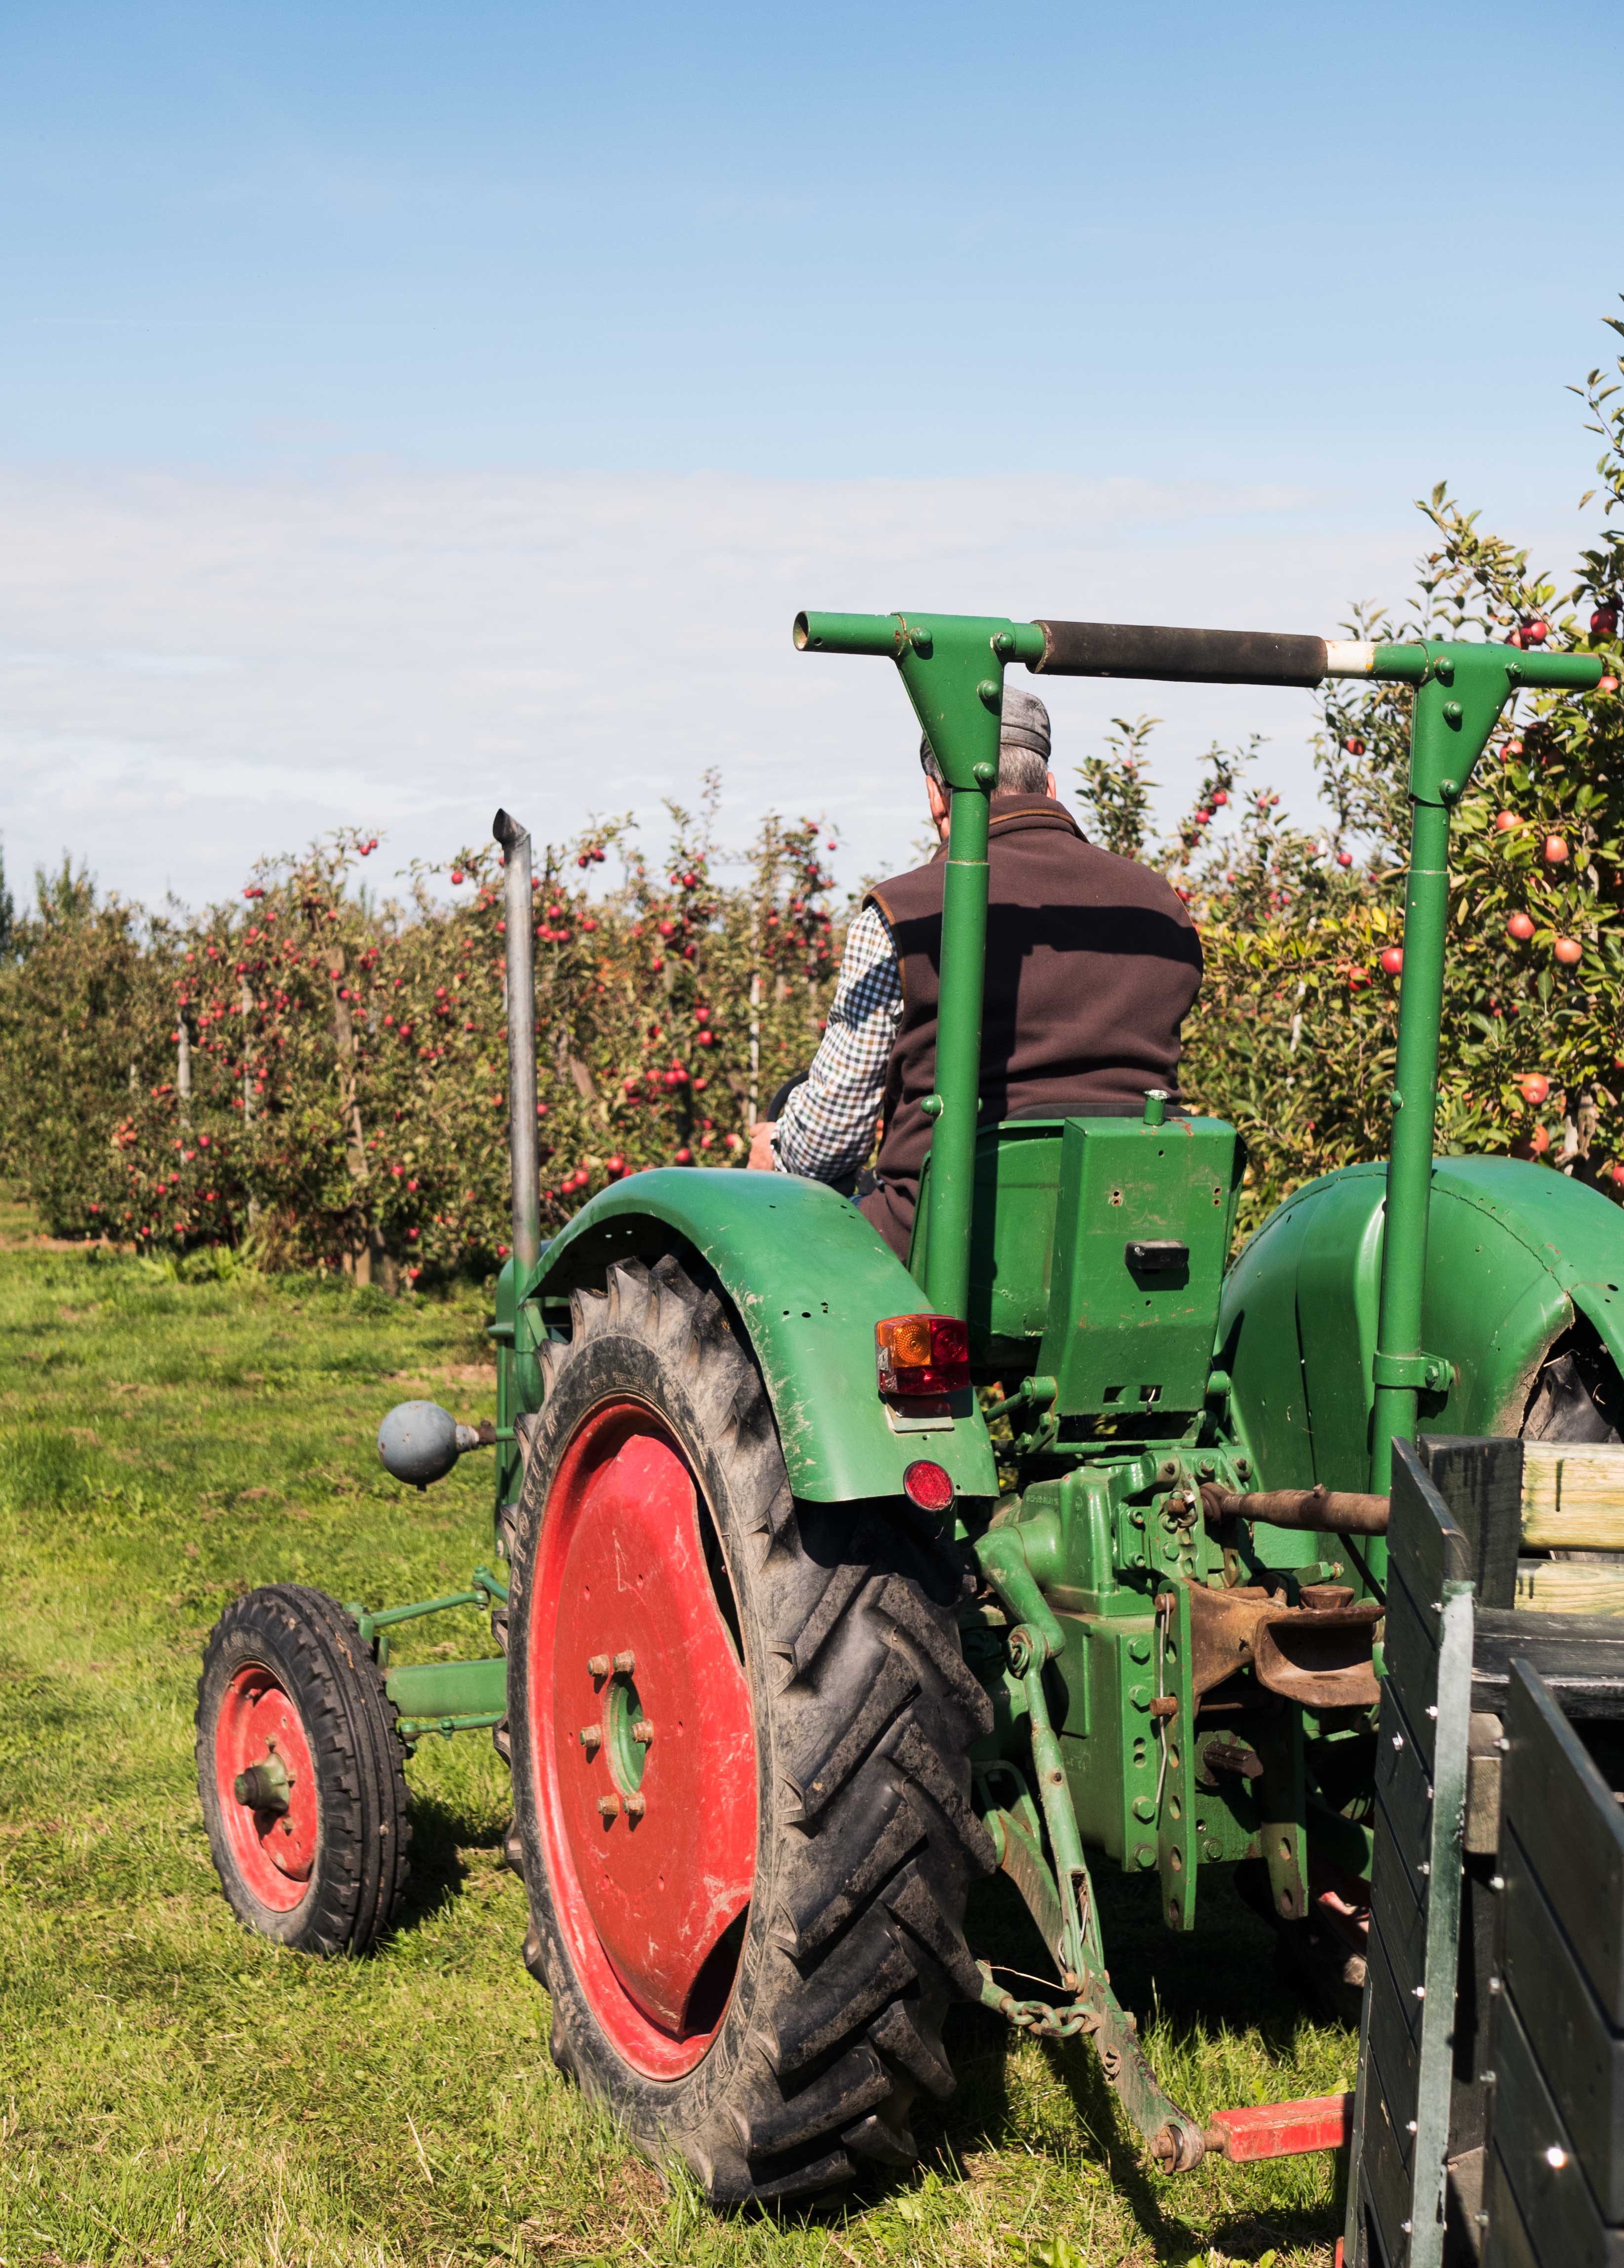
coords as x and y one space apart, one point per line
828 1124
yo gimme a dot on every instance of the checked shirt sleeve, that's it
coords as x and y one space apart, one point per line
828 1124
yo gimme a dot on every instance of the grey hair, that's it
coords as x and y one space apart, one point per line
1022 746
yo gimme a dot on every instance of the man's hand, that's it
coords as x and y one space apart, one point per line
761 1159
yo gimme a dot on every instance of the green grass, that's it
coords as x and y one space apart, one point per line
173 2091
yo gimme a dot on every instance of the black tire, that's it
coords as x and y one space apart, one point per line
863 1714
357 1872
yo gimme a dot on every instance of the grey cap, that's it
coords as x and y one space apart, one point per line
1025 725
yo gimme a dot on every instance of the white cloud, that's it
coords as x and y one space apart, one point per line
194 671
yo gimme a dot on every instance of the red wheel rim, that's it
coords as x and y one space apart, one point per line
649 1822
259 1726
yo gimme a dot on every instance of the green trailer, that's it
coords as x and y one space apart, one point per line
824 1586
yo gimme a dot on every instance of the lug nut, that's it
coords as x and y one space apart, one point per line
642 1732
598 1665
625 1664
592 1738
608 1806
635 1806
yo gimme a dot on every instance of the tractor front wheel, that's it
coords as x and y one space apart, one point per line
741 1729
301 1772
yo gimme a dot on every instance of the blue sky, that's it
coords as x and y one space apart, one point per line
404 407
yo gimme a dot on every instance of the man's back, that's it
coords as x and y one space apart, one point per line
1092 963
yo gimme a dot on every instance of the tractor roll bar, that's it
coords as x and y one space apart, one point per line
952 668
520 918
1262 658
1197 656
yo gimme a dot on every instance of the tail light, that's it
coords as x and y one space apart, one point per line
922 1355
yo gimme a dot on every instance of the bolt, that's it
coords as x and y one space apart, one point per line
592 1738
608 1806
598 1665
636 1806
642 1732
625 1664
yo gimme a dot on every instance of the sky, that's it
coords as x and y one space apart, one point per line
407 409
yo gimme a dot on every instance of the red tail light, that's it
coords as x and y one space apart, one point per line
922 1355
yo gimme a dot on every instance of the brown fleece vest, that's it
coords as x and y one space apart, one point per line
1092 963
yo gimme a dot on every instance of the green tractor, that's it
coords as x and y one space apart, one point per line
828 1586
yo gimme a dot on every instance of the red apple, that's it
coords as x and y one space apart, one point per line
1513 748
1569 951
1220 796
1521 927
1358 976
1344 857
1607 684
1506 819
1533 1087
1556 851
1354 747
1392 960
1536 633
684 1156
1605 620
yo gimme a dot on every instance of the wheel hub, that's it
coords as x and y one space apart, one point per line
268 1787
646 1749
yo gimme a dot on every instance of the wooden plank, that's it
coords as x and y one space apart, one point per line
1579 1657
1507 2243
1570 1586
1425 1545
1403 1787
1393 2056
1411 1655
1541 2167
1480 1479
1386 2181
1401 1926
1573 1495
1567 1820
1580 2054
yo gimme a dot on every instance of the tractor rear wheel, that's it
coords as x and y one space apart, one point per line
741 1728
301 1772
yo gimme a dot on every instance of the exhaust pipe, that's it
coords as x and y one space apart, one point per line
520 1047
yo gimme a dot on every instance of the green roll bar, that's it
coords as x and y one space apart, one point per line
952 668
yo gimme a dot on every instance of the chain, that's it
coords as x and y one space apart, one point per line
1044 2021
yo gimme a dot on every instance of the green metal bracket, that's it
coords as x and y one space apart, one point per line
1004 1563
1423 1374
1460 691
952 667
1176 1848
460 1694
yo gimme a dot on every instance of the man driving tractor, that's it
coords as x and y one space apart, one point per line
1092 963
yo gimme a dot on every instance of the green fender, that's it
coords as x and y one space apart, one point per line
809 1279
1513 1251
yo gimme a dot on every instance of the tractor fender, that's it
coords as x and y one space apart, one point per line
808 1278
1514 1252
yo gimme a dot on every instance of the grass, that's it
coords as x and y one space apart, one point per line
172 2091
